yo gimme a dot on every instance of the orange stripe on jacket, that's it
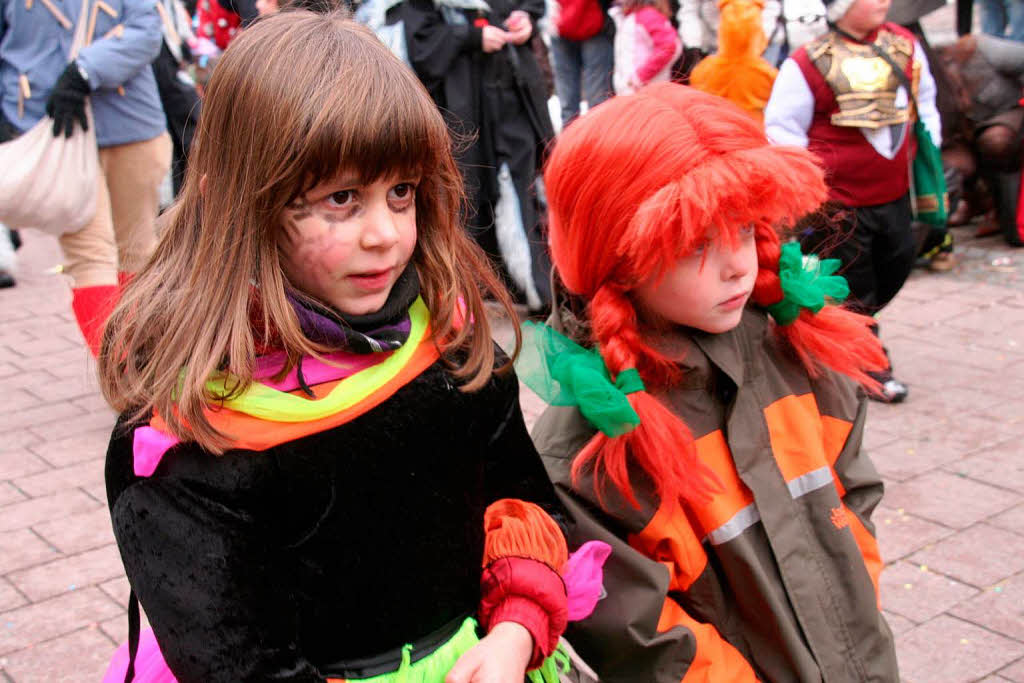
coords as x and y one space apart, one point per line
868 549
836 433
798 438
252 433
803 441
716 660
714 452
669 538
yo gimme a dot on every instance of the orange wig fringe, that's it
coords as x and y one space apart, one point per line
634 186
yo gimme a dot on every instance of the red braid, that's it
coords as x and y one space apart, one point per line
676 472
835 337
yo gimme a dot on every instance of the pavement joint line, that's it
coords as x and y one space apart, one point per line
95 626
961 475
983 627
934 572
28 600
52 547
88 493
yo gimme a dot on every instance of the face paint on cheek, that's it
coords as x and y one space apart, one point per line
291 232
298 211
321 257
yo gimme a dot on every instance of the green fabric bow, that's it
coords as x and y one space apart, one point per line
806 283
564 373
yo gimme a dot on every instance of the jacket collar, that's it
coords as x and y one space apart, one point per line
697 353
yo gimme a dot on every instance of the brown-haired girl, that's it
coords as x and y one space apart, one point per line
313 423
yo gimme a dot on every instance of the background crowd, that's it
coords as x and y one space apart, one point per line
492 68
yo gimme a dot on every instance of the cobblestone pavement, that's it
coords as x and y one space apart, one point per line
951 524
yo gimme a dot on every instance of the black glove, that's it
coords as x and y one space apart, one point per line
7 130
67 102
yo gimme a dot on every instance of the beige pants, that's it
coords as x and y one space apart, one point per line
122 235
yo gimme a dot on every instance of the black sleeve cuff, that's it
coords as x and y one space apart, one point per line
475 39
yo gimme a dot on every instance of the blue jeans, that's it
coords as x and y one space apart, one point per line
1003 18
583 70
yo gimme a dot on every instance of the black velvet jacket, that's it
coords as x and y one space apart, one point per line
279 565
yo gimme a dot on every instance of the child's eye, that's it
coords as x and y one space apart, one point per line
402 190
747 230
402 194
341 198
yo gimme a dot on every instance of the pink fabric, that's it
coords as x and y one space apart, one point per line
148 448
584 576
150 666
149 444
664 41
313 370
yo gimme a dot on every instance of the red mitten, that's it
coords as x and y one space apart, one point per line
529 593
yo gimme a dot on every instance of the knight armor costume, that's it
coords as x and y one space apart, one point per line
864 84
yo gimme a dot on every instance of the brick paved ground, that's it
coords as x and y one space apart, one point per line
951 524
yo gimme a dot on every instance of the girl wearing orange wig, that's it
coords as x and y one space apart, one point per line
706 419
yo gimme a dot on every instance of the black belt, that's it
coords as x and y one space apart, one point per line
391 660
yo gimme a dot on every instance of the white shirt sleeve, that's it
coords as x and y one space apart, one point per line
770 17
789 111
691 30
926 90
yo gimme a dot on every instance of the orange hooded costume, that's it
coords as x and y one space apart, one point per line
737 72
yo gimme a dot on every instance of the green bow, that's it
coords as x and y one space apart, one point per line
806 283
564 373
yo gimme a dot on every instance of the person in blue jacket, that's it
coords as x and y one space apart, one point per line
113 71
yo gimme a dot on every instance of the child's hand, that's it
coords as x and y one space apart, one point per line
519 26
493 39
516 20
500 657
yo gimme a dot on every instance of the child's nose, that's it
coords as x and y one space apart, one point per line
380 229
736 263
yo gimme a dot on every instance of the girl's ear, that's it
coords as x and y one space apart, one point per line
202 185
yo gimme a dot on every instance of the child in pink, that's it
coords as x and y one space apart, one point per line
646 44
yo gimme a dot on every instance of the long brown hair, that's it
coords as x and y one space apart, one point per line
296 99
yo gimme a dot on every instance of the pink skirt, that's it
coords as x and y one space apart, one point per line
150 666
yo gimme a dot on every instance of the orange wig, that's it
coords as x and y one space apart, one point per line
636 185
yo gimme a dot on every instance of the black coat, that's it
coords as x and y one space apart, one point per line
284 564
462 79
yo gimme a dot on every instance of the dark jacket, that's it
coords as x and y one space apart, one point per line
776 578
444 46
284 564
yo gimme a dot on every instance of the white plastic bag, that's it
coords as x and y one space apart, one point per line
50 183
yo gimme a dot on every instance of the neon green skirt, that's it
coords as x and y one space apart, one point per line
435 666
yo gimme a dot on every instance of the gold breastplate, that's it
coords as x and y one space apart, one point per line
864 84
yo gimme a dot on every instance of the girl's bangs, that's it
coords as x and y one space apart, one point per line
751 188
375 132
